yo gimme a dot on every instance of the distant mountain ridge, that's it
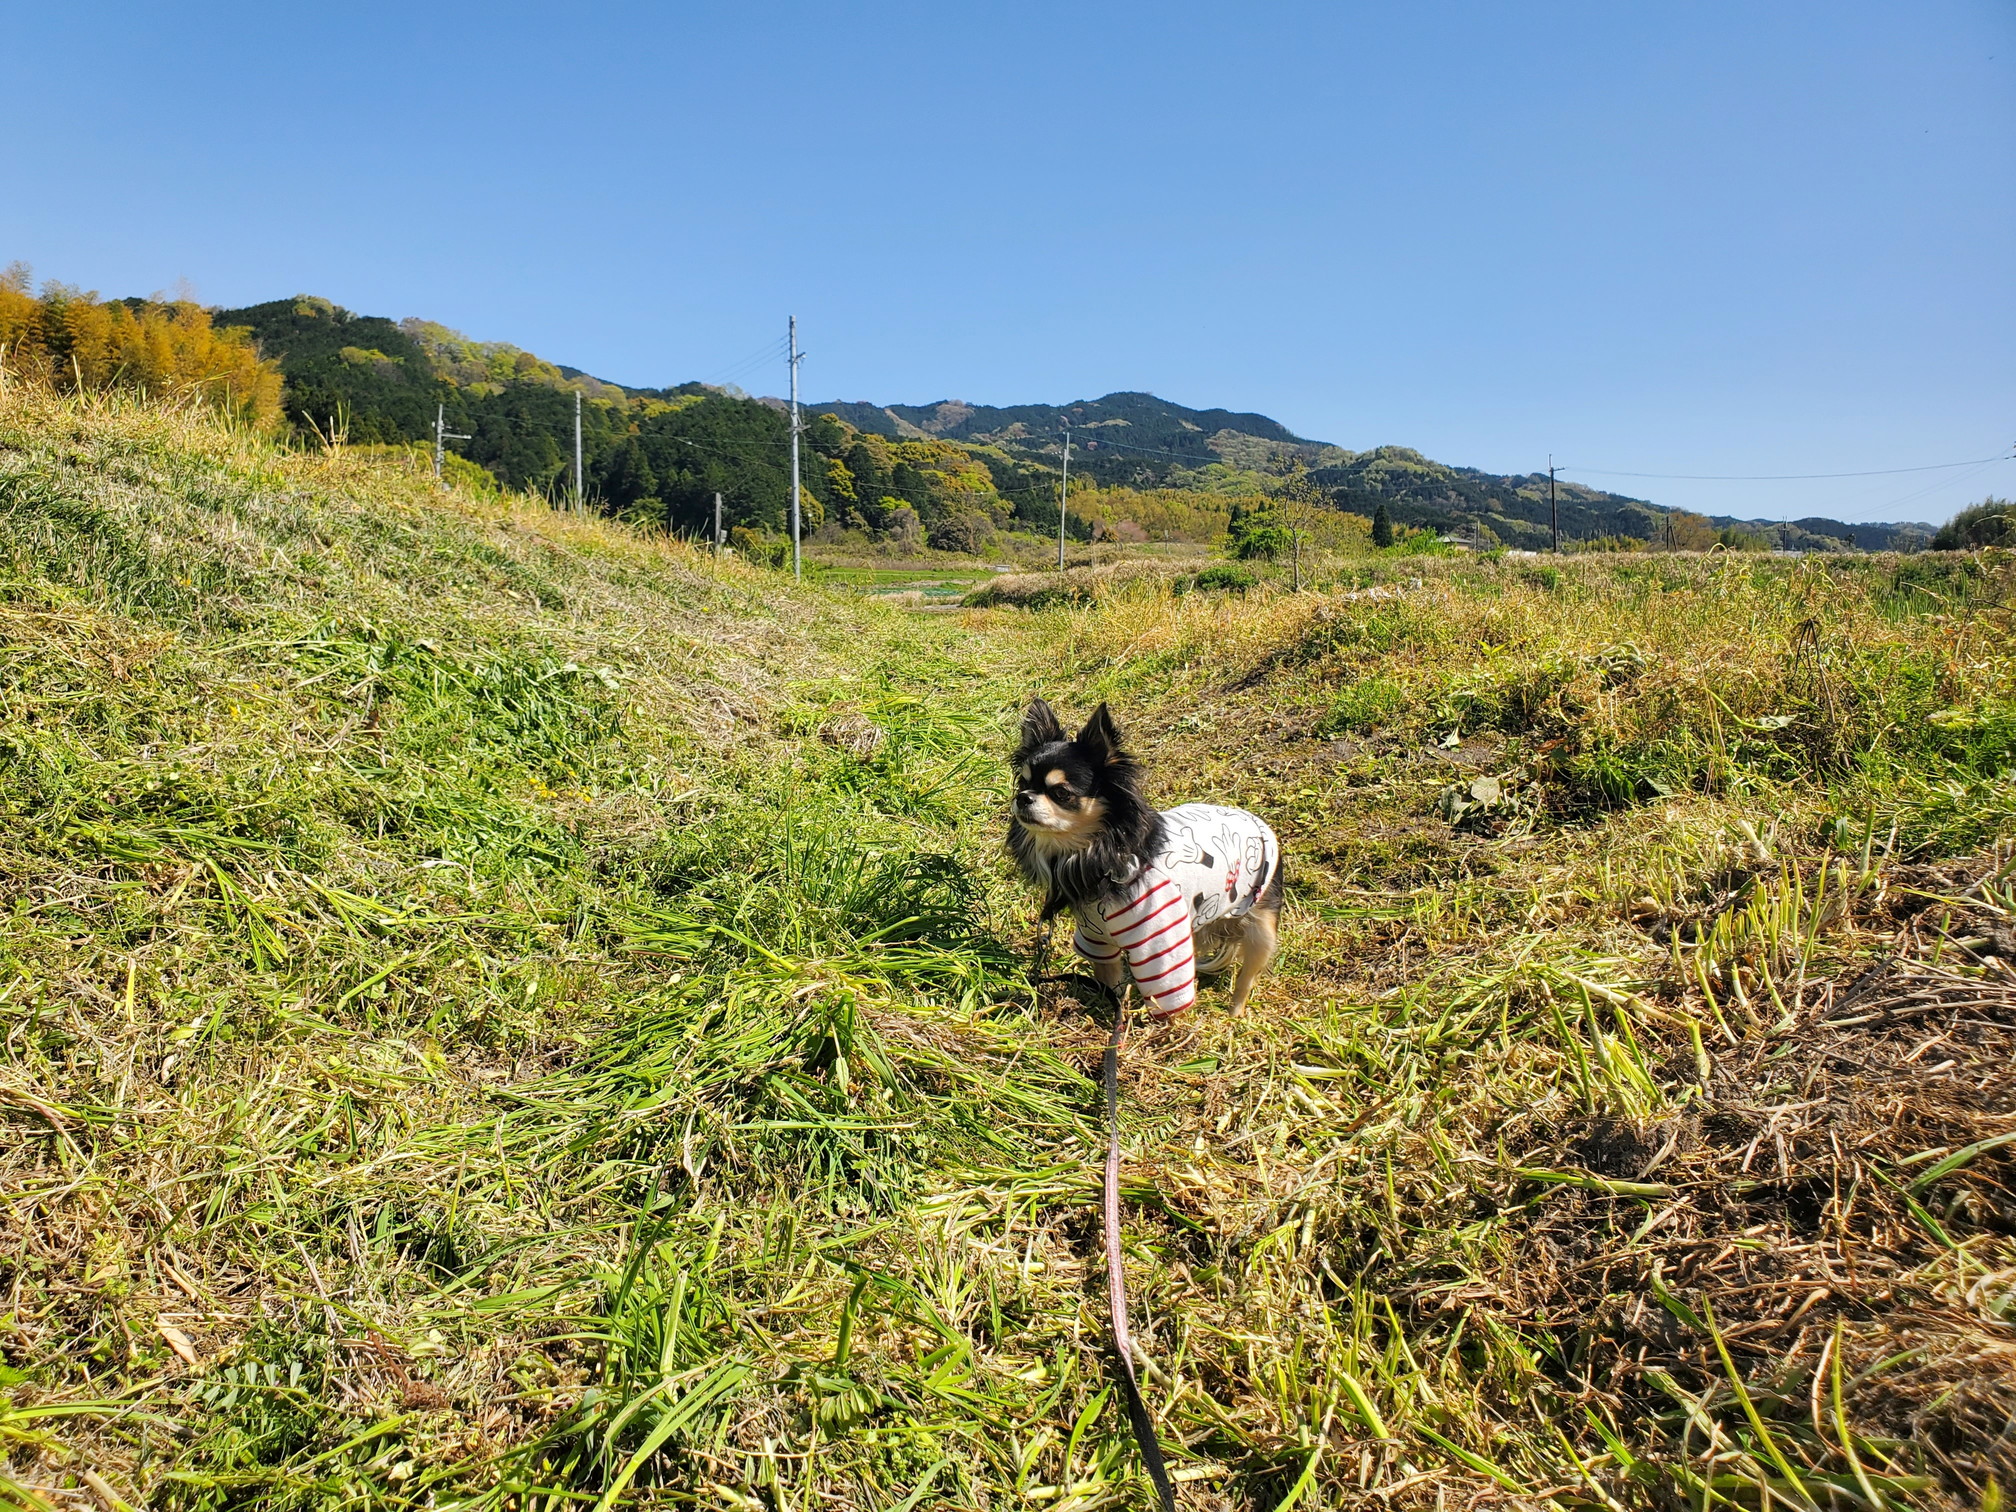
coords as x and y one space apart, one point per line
1139 440
382 381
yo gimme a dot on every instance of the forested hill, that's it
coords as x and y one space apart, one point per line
1122 438
658 455
960 470
1140 441
1144 442
1137 440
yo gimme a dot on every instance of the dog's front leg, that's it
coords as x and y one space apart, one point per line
1111 973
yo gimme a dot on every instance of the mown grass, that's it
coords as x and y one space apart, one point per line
499 1010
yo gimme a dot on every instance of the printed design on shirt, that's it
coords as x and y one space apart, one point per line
1183 848
1212 865
1241 854
1180 847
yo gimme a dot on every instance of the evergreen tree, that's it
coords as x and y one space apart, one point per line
1992 522
1382 527
627 477
908 484
871 484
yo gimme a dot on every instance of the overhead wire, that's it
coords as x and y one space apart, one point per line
775 350
1977 463
1033 495
743 367
1964 478
1878 472
1099 443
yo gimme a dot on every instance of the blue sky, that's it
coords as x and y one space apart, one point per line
1698 238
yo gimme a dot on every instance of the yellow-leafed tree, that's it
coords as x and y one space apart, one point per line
69 339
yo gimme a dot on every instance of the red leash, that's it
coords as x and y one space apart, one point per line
1116 1270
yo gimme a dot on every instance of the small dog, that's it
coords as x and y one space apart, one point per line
1165 897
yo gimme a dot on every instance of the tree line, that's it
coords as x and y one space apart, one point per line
70 339
662 456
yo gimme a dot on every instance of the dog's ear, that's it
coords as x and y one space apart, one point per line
1040 726
1100 739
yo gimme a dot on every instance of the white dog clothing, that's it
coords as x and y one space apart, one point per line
1214 863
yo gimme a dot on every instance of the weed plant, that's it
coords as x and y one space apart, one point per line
502 1011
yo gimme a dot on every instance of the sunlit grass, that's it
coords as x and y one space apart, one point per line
502 1010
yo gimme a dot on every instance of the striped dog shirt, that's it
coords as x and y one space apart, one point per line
1215 863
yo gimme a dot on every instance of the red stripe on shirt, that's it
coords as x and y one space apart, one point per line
1164 885
1148 960
1146 940
1157 976
1176 902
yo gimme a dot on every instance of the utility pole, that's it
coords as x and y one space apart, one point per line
441 434
1063 495
580 483
718 537
797 565
1553 511
1295 506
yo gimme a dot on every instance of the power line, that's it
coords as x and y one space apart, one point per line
1920 493
1037 444
1881 472
762 358
1878 472
1033 442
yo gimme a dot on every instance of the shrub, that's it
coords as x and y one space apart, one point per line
1257 532
754 544
1224 577
1992 522
967 530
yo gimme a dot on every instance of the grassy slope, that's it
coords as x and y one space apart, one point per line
495 1006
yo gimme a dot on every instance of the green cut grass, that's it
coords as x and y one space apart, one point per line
501 1010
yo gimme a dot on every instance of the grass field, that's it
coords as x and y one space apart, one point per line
939 587
500 1011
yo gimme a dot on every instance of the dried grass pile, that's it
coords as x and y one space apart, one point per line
1074 585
